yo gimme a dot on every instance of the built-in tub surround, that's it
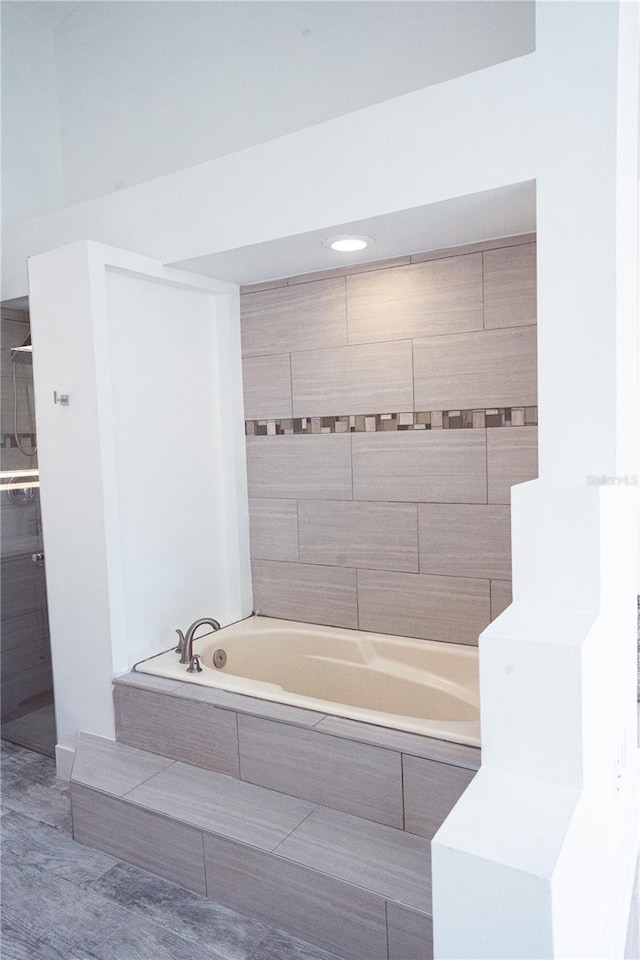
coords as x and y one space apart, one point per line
421 687
389 410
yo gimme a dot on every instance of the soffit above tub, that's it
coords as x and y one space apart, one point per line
149 88
503 212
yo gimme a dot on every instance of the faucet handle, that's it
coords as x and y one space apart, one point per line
194 664
180 646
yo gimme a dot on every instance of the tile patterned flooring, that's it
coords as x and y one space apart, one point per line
64 901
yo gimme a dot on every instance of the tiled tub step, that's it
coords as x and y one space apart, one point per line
359 889
402 780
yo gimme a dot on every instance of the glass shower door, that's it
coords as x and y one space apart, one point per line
27 716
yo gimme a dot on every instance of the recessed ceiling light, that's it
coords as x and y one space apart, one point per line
348 243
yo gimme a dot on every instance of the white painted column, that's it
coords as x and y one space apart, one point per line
538 857
144 504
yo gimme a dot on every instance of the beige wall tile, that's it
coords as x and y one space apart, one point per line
337 916
300 467
410 934
490 368
419 300
370 378
351 269
512 457
510 286
501 596
473 247
354 777
431 791
380 536
274 529
267 387
452 609
301 317
304 591
422 465
465 540
133 835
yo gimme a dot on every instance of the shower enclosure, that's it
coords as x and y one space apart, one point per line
27 715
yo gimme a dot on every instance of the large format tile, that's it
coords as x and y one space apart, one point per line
302 317
510 286
501 596
352 777
279 946
420 300
512 457
333 914
465 540
431 790
274 529
66 922
48 803
240 811
314 467
389 862
163 846
305 591
423 465
26 765
29 843
196 733
452 609
381 536
490 368
410 934
267 387
457 754
186 914
368 378
111 766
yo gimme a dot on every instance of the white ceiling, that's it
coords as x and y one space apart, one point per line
504 212
146 88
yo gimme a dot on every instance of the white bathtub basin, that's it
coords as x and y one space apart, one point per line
421 686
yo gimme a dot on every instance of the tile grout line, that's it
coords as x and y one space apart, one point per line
238 745
297 827
386 925
373 266
373 343
484 326
167 766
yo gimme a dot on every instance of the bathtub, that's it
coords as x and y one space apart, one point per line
421 686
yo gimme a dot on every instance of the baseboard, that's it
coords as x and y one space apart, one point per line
64 761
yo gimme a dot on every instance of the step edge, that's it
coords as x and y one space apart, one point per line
242 843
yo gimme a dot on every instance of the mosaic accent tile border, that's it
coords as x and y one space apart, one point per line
380 422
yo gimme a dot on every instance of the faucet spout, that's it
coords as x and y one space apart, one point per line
186 642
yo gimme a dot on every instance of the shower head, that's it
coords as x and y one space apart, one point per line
23 353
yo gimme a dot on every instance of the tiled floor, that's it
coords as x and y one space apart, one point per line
64 901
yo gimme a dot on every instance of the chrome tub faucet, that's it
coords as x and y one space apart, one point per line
185 645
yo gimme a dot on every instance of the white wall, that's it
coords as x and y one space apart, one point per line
150 88
31 150
145 518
